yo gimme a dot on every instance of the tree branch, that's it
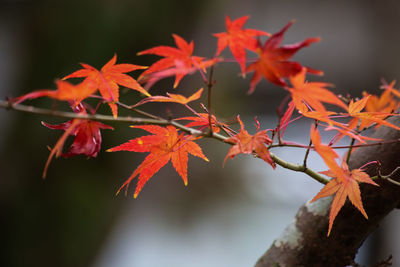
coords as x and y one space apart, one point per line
304 242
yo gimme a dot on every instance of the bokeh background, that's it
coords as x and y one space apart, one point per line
226 216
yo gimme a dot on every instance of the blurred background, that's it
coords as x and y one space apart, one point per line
225 216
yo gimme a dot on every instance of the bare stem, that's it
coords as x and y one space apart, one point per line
299 168
210 84
388 177
350 149
309 147
138 111
306 154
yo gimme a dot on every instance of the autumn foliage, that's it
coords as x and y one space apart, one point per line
174 138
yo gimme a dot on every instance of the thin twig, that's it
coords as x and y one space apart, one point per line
309 147
299 168
350 149
138 111
209 86
393 181
387 177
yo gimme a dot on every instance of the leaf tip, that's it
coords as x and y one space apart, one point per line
329 228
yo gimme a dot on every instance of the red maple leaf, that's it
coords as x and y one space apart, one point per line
238 39
176 61
87 139
164 145
246 143
273 59
108 79
343 189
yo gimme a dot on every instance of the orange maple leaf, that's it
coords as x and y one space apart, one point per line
108 79
343 189
384 104
390 87
238 39
273 61
308 95
365 119
175 98
164 145
177 61
246 143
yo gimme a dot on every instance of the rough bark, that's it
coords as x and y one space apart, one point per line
304 241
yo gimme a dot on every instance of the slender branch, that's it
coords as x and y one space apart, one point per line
106 118
209 86
134 120
306 154
393 181
387 177
138 111
350 149
72 115
309 147
299 168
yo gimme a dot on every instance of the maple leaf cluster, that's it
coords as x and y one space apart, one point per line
172 140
